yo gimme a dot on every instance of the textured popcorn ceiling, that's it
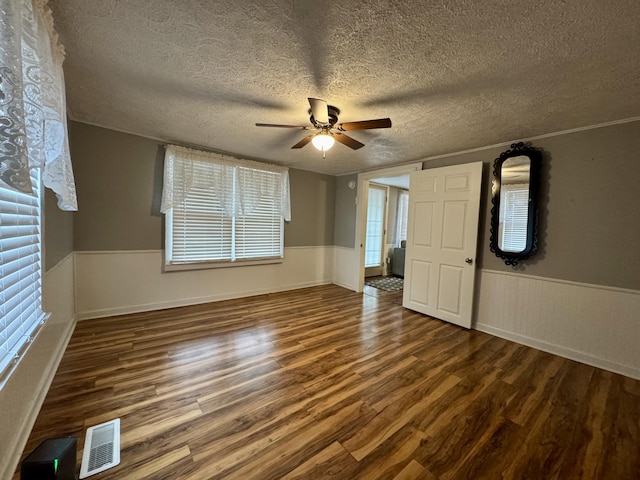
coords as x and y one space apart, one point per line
451 74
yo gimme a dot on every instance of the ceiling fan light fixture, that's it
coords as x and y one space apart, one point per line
324 120
323 141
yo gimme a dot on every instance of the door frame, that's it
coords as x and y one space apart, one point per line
385 221
361 210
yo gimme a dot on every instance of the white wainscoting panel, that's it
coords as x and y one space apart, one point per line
23 394
58 291
119 282
345 268
592 324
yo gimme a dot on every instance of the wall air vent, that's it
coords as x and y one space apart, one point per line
101 448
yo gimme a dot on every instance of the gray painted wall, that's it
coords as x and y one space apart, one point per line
117 180
119 186
313 198
589 207
345 212
57 232
589 227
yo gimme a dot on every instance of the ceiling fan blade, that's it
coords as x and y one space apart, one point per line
301 127
348 141
319 110
365 124
304 141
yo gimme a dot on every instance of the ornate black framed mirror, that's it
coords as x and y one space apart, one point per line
514 214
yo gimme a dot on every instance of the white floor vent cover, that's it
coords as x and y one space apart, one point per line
101 448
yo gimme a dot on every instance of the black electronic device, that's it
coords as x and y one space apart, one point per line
53 459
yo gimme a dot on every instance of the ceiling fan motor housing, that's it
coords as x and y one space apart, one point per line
325 129
333 113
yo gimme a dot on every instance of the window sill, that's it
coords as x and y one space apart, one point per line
21 353
176 267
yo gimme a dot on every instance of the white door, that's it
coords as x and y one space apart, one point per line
444 206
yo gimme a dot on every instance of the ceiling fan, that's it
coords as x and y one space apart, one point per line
324 120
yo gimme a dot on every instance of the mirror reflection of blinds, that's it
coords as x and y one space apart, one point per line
20 266
201 232
514 228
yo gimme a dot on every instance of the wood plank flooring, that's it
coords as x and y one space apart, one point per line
326 383
394 297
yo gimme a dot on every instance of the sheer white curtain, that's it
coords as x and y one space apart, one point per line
238 184
33 127
34 150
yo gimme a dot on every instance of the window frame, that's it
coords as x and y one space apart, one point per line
171 265
402 217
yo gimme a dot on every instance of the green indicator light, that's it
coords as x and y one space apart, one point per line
55 466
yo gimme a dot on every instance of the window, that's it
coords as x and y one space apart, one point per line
33 149
223 210
403 216
377 199
20 268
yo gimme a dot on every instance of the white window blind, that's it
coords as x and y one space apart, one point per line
200 228
515 222
259 234
200 232
20 266
403 216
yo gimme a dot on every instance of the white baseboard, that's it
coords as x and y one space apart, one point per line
122 282
561 351
592 324
183 302
348 286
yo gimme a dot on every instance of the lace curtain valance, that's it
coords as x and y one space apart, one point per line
33 120
238 184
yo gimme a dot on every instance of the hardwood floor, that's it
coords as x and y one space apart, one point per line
326 383
394 297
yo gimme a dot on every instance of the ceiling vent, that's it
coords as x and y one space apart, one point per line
101 448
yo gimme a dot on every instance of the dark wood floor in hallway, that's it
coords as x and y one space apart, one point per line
327 383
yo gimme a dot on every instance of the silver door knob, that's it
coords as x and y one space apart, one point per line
469 260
